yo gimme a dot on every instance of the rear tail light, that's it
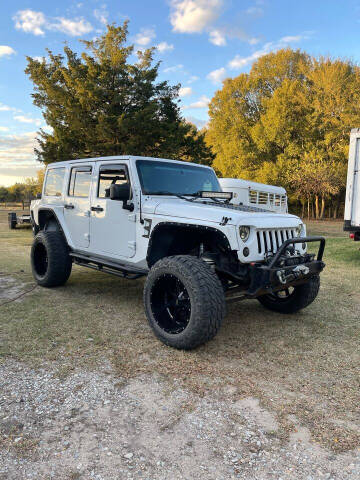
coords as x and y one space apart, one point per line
352 236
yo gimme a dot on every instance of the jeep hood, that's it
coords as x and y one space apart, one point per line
176 208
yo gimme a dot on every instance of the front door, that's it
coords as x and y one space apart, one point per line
112 228
77 205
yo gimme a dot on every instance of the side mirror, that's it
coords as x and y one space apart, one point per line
120 192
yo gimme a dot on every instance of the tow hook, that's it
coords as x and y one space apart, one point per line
297 272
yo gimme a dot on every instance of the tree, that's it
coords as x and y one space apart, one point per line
4 194
288 122
100 104
40 175
18 193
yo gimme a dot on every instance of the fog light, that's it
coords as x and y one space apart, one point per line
244 233
246 252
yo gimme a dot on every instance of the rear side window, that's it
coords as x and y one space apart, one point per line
109 175
80 181
54 182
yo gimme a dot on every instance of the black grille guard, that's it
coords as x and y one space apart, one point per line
276 275
292 241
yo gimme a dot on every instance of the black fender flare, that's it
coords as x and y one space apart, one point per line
189 226
50 214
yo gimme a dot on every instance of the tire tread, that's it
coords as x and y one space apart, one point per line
60 263
303 296
209 300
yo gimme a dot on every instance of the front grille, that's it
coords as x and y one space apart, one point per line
269 241
265 198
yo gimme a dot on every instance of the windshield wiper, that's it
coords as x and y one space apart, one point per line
183 196
164 192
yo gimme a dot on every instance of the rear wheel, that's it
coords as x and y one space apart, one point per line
184 301
50 260
12 220
292 299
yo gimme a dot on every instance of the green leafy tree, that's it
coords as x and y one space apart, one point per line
99 103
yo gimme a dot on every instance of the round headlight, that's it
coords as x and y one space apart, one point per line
298 230
244 233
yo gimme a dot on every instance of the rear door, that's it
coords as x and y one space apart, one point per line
355 207
112 228
77 205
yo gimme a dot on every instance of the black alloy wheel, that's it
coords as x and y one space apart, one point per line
40 259
292 299
170 302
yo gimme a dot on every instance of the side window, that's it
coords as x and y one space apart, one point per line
54 182
80 181
108 175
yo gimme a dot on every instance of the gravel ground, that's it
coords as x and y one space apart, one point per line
94 425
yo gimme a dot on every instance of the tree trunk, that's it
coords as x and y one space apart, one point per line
317 207
336 207
302 208
312 210
322 207
308 208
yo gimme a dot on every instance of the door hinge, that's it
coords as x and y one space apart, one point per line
132 217
132 245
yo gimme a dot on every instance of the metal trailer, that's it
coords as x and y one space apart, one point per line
253 194
15 220
352 198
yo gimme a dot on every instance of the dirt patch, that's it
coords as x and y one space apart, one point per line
93 425
250 407
13 289
9 287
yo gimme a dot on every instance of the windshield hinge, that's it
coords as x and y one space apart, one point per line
225 220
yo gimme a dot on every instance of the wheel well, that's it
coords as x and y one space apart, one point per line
48 221
178 239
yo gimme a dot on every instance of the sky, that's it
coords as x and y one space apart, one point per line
199 43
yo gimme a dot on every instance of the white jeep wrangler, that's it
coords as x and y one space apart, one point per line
170 220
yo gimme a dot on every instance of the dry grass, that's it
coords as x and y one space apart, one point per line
305 364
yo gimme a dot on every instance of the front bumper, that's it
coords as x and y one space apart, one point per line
283 270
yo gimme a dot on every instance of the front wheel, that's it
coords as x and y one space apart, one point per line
50 260
184 301
292 299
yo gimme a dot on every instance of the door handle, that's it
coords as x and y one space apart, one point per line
69 206
96 209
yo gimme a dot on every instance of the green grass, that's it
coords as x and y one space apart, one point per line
305 364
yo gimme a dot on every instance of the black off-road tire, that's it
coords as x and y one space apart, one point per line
205 293
301 297
50 260
12 222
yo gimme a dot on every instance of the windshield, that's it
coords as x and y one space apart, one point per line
175 178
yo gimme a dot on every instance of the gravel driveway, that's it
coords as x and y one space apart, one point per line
94 425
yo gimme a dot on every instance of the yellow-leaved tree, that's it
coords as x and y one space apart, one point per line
287 122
